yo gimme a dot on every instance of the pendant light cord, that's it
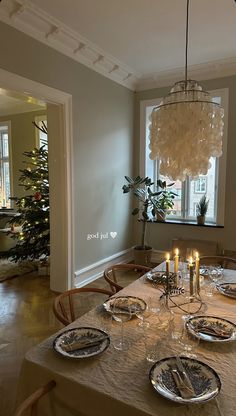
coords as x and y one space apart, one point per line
186 45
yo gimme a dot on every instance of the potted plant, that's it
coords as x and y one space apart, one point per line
201 210
148 207
165 201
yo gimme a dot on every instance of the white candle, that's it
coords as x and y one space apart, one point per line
191 275
176 259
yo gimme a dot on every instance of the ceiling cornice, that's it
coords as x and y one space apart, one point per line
210 70
35 22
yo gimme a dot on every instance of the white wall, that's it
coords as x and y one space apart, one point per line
103 141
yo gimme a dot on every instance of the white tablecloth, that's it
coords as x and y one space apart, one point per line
117 383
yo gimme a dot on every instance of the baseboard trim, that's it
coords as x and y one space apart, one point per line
94 271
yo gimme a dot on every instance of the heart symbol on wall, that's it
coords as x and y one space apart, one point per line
113 234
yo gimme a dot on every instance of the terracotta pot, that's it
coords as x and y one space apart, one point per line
142 256
161 217
201 219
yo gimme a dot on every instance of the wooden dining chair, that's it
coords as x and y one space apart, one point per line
30 405
71 304
120 275
225 262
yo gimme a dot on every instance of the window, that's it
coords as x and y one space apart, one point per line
200 185
41 138
191 190
5 182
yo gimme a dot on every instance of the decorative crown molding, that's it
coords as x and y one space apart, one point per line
200 72
35 22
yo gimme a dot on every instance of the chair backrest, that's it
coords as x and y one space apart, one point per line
204 248
120 275
71 304
225 262
31 403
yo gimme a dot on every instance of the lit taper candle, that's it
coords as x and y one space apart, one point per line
167 263
197 272
190 264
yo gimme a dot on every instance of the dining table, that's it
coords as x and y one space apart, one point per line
117 383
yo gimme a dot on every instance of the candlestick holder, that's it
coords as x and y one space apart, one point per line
175 297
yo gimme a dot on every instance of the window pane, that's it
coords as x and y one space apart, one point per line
177 189
150 164
5 191
204 185
5 150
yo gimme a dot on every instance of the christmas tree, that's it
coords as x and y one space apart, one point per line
33 209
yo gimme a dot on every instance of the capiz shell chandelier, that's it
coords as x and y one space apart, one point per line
186 129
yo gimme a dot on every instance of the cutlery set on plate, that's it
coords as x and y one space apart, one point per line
83 344
182 380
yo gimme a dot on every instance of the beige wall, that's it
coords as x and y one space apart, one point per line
22 139
161 235
102 136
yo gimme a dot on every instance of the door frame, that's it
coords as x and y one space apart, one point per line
61 214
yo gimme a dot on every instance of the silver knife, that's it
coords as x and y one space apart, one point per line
184 374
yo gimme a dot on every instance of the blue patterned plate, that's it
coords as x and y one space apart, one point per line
204 380
132 303
211 328
227 289
82 342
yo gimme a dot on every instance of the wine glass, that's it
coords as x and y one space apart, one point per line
216 273
142 314
187 341
121 313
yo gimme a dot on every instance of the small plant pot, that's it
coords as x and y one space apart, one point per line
161 217
201 219
142 256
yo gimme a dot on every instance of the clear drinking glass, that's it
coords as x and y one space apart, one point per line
209 287
188 342
165 314
121 314
216 273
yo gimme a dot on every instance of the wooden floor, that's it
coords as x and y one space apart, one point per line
26 318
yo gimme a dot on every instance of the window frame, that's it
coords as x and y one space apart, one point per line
8 124
37 120
220 169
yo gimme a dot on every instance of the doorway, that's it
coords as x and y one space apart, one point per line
59 116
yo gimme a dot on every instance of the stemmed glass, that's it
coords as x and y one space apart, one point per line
216 273
121 313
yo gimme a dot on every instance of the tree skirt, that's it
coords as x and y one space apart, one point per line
10 269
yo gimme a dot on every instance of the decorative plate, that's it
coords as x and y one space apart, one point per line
74 343
227 289
159 278
204 380
211 328
132 303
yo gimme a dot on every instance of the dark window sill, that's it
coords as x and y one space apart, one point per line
191 223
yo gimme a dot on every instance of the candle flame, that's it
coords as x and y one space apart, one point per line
176 251
190 261
167 256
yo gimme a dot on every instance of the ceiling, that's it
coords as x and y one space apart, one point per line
138 40
149 35
11 103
